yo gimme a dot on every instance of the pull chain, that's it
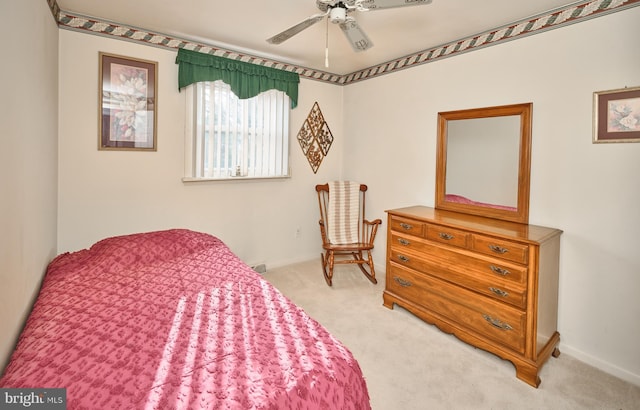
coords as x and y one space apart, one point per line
326 47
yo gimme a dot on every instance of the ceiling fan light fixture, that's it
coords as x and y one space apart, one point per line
338 15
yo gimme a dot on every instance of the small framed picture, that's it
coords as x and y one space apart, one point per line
616 115
128 103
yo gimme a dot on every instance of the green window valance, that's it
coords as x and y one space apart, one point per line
246 80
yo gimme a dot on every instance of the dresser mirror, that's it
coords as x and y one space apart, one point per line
483 161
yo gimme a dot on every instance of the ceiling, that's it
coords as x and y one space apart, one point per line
244 25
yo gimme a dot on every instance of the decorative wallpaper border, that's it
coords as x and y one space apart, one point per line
100 27
55 10
558 18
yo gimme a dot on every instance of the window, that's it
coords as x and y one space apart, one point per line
232 138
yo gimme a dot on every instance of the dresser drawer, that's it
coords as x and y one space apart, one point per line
407 284
488 319
494 287
408 226
448 236
500 249
490 267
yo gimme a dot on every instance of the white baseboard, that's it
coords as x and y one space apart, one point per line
601 365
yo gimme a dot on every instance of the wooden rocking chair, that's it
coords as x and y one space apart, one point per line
353 236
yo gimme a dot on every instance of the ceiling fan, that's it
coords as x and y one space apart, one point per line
338 12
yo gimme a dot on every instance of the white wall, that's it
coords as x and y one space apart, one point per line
105 193
590 191
28 159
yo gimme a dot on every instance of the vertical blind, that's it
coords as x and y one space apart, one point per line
240 137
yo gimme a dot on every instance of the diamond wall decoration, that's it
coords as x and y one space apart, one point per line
315 137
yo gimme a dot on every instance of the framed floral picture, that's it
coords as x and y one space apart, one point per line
616 115
128 103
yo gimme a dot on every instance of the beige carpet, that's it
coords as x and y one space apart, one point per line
409 364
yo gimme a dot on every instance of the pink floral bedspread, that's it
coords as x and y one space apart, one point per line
174 319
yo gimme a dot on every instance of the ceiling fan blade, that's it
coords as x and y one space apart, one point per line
358 39
292 31
388 4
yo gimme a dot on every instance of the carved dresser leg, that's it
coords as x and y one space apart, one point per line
528 374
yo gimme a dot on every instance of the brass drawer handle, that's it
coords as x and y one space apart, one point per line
403 258
405 226
402 282
445 236
499 292
498 249
499 271
497 323
404 242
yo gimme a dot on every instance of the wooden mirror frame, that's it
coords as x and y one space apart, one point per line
521 214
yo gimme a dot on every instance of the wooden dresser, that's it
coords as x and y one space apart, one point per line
491 283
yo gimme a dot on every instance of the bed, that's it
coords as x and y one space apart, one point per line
174 319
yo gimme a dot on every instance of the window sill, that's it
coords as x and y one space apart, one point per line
189 180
